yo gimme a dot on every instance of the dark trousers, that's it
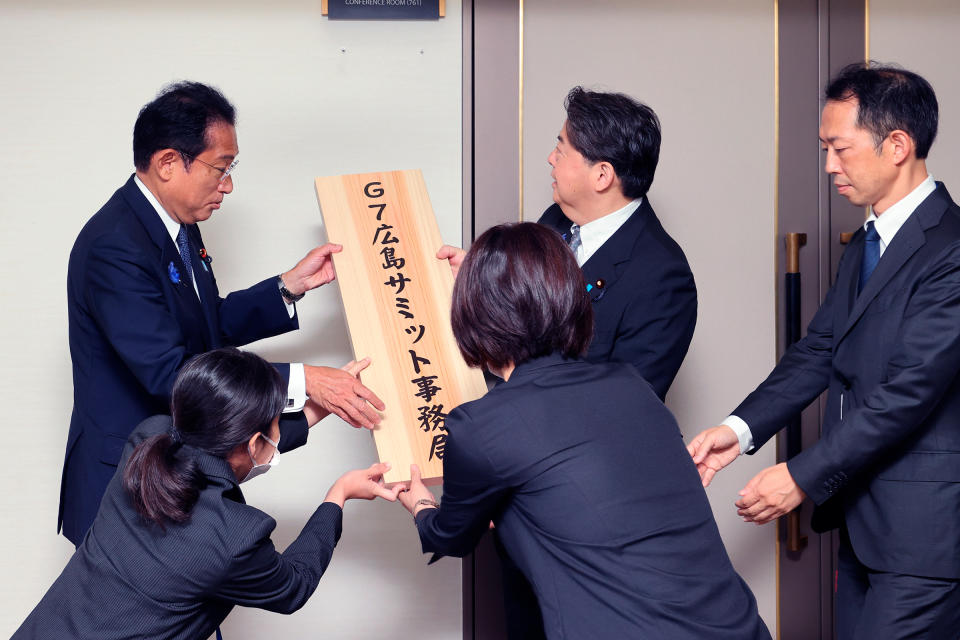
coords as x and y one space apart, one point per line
876 604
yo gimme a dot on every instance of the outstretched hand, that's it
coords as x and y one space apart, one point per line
363 484
314 270
340 391
712 450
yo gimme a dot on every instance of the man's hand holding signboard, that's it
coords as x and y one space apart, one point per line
340 391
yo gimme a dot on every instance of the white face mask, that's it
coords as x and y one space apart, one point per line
260 469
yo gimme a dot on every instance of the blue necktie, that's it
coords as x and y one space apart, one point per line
183 242
871 255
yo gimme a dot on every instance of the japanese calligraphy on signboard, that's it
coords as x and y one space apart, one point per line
396 296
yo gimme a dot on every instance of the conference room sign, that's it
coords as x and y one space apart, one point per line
383 9
396 296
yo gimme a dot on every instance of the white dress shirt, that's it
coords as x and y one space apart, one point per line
297 383
595 233
887 224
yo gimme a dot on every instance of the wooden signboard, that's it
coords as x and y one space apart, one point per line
396 295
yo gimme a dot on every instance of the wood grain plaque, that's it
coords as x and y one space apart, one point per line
396 296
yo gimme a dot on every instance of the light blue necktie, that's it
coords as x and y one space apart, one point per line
871 255
575 241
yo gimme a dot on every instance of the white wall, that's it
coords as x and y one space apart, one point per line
706 68
922 36
314 97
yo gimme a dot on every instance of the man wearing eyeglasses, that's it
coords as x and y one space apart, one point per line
143 298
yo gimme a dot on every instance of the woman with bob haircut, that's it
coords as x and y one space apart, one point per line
174 546
580 467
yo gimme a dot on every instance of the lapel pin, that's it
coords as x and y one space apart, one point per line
596 289
596 285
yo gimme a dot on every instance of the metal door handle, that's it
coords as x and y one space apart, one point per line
795 541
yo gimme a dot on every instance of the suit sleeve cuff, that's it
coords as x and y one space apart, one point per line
744 435
422 521
293 431
296 388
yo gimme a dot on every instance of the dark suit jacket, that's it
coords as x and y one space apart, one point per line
131 329
646 312
888 460
133 580
584 472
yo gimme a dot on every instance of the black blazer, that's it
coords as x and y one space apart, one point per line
594 497
133 580
134 321
888 460
647 309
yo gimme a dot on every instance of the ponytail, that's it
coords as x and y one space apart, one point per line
163 486
220 400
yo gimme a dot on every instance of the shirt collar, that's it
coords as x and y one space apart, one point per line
172 226
595 233
889 222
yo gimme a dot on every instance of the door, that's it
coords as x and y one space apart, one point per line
816 39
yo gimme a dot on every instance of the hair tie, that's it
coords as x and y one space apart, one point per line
176 440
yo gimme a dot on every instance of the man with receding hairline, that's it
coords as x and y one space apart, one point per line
886 344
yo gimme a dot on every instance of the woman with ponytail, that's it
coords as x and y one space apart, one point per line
174 546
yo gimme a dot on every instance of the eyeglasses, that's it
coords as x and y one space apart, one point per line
226 172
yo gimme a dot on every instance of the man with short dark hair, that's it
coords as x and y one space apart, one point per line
886 344
644 296
143 299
